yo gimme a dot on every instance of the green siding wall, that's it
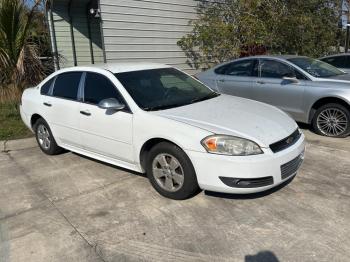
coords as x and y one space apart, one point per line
146 30
80 31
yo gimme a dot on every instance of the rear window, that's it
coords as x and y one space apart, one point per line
66 85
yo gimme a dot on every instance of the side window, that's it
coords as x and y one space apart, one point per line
240 68
46 87
337 61
66 85
299 75
275 69
347 62
99 87
222 69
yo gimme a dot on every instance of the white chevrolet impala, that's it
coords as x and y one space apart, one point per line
155 119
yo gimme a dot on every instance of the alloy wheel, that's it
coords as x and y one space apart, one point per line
332 122
44 137
168 172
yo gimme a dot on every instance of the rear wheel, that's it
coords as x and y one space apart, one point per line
332 120
171 172
45 138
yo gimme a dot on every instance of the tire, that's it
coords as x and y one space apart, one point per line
177 169
42 133
332 120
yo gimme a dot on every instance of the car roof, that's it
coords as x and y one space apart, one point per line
284 57
335 55
119 67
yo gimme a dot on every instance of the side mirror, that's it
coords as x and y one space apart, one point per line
111 104
291 79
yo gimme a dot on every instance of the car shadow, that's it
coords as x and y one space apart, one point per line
262 256
249 196
208 193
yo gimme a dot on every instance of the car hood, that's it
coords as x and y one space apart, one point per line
235 116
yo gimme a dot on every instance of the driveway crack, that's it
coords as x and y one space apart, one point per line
23 172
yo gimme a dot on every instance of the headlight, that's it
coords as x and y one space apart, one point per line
230 145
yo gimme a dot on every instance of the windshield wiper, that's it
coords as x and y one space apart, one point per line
162 107
198 99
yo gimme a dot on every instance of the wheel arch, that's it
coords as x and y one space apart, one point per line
327 100
148 145
35 117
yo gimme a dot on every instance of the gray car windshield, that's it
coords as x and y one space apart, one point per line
315 67
164 88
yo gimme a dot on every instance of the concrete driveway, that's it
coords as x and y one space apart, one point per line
71 208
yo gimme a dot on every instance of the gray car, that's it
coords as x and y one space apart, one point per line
341 61
309 90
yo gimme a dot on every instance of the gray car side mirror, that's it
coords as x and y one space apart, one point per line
111 104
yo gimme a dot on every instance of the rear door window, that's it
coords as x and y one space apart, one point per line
238 68
67 85
241 68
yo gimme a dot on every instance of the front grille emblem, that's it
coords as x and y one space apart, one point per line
290 140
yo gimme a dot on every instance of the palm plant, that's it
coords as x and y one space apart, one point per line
20 64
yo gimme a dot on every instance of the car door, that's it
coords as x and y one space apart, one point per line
62 108
281 85
104 132
237 78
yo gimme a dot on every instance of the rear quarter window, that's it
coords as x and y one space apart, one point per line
45 89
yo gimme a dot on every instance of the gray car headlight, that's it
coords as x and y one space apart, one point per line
230 145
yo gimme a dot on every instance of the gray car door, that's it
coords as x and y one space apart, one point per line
281 85
237 78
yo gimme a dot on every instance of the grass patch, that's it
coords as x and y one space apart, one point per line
11 125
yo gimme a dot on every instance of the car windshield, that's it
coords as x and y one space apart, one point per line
315 67
164 88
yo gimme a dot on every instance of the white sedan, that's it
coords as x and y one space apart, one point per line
155 119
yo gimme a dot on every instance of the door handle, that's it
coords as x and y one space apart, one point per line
261 82
221 80
47 104
85 113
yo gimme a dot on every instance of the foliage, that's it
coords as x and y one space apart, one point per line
21 45
225 29
11 125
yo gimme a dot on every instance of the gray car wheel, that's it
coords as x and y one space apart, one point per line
332 120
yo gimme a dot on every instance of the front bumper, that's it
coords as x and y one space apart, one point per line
211 168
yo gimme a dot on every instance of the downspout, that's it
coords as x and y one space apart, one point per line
89 32
102 36
52 33
72 32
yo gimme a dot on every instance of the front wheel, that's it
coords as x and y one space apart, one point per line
171 172
332 120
